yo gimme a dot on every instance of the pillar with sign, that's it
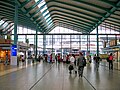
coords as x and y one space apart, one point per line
14 60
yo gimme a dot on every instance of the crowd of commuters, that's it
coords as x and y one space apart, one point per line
77 63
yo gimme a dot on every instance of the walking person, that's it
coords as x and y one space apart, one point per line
58 58
64 58
23 59
6 61
81 62
110 61
97 61
72 60
33 58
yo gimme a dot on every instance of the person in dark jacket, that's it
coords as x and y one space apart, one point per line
81 63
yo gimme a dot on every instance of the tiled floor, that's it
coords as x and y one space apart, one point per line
45 76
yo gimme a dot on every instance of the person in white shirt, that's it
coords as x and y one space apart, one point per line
64 58
72 62
72 59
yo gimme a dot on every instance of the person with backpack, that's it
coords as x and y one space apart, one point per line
81 63
110 61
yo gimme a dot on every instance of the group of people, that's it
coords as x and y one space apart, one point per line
77 65
80 63
109 60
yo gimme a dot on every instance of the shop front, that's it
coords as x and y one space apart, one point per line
5 45
113 47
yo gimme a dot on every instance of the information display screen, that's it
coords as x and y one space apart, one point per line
14 50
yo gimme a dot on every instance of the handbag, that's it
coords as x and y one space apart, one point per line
84 61
107 59
71 67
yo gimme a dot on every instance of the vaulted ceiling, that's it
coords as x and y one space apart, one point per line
79 15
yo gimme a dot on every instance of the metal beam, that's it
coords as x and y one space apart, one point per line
5 14
112 10
47 26
32 15
51 28
114 18
112 23
9 31
2 24
32 7
21 20
93 5
8 3
79 7
110 3
73 20
109 26
46 30
9 16
69 34
74 11
8 28
69 23
71 15
24 3
112 28
42 25
5 10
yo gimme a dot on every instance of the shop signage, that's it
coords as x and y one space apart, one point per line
113 43
5 41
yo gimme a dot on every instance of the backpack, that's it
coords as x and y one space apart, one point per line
81 62
84 61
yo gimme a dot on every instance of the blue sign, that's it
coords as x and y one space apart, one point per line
14 50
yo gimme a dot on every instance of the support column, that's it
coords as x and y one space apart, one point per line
52 44
44 43
36 39
14 60
61 46
97 41
26 52
89 41
70 44
15 23
34 44
79 42
87 44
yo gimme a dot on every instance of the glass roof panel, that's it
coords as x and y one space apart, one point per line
1 22
47 12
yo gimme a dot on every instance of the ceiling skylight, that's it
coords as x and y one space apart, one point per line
43 3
